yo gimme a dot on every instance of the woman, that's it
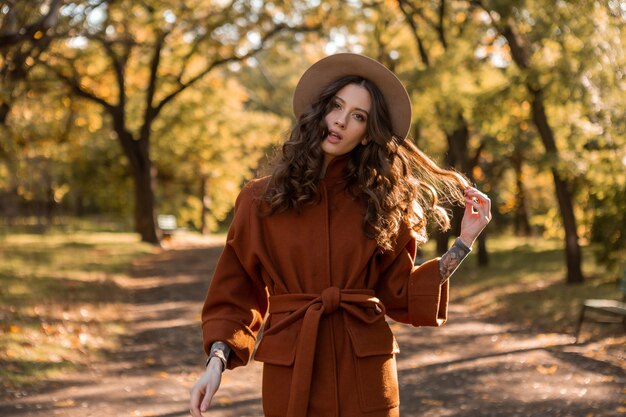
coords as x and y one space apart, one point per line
326 245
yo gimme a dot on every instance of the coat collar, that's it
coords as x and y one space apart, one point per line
337 166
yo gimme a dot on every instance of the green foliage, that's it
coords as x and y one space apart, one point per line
606 202
210 138
59 150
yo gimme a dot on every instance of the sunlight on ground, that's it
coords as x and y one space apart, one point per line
59 300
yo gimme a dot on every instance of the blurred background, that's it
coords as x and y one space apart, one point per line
116 112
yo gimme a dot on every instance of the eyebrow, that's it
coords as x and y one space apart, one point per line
357 108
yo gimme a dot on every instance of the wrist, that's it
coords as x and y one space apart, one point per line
215 362
218 353
467 242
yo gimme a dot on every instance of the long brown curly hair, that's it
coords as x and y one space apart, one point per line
396 182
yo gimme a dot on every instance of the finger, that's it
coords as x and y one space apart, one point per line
471 207
206 401
194 403
483 199
476 193
483 213
479 210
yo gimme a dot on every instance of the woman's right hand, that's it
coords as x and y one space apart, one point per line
205 388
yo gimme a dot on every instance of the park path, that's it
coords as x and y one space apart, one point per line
467 368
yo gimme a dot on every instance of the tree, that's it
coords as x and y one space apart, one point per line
207 148
507 20
25 33
442 32
155 52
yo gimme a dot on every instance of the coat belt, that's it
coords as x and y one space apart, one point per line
310 308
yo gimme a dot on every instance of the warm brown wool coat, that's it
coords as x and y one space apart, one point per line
326 347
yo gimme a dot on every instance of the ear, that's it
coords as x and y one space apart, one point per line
365 141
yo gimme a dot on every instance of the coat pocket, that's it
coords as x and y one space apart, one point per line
278 348
375 364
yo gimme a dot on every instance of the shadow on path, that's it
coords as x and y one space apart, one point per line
467 368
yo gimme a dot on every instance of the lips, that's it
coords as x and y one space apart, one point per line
335 134
333 137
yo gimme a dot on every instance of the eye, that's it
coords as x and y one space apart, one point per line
336 105
359 117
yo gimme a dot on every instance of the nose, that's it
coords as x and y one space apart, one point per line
341 120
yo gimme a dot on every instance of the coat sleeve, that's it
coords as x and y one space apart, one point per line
237 299
412 294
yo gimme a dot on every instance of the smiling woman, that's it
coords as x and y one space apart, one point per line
331 237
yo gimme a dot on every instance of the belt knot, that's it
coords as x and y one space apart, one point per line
331 298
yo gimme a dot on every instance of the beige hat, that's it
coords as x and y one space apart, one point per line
333 67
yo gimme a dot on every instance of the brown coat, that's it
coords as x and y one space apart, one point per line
327 288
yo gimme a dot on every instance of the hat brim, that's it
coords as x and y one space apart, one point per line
329 69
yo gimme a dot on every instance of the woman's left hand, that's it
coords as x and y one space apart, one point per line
474 221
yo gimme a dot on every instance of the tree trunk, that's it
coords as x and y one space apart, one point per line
137 152
521 225
458 157
483 255
520 52
4 113
145 223
204 199
563 195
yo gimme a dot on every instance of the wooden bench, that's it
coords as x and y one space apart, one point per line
167 224
607 310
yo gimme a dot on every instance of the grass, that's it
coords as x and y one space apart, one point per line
59 300
525 283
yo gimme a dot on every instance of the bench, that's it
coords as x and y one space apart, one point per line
167 224
610 311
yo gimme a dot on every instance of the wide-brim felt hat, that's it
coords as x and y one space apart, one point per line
327 70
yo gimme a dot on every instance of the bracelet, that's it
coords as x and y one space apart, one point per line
219 350
219 355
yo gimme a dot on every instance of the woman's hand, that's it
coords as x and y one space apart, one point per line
205 388
477 215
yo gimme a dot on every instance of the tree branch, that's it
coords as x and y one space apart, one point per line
74 84
418 40
440 29
150 112
118 66
28 32
519 51
222 61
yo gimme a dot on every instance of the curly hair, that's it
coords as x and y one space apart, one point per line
396 182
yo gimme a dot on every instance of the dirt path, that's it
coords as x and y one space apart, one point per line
468 368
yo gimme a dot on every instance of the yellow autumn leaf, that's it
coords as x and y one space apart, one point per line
435 403
149 392
547 370
224 401
149 361
14 328
75 342
65 403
